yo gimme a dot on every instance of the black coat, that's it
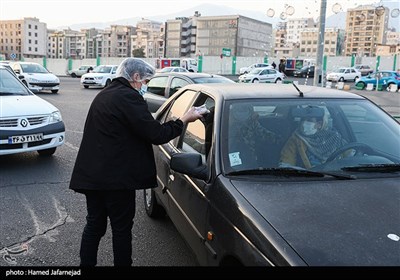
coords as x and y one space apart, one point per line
116 152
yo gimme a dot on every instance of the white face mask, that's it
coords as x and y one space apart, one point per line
309 128
143 89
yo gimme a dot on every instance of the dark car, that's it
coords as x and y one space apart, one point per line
164 85
364 69
233 202
306 71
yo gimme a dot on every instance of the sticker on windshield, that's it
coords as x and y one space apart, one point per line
235 159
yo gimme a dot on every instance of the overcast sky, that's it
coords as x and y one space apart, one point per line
63 13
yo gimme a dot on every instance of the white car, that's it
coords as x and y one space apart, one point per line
27 122
101 76
262 75
344 74
245 70
83 69
35 76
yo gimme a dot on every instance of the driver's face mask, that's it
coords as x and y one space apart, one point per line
309 128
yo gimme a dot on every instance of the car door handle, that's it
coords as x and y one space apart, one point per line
171 178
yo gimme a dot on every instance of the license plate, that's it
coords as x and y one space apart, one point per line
25 138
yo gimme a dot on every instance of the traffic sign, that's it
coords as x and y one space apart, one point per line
13 56
226 52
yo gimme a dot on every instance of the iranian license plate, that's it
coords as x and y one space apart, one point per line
25 138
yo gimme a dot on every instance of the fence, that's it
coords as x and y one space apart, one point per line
218 65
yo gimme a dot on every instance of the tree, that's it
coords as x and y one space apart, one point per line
138 52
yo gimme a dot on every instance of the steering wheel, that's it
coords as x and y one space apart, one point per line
358 147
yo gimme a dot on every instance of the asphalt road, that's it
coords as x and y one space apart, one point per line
42 220
40 213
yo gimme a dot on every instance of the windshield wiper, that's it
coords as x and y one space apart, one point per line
385 168
288 171
11 93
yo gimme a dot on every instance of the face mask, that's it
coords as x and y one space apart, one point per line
143 89
309 128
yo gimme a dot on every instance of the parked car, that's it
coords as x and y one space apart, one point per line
236 209
164 85
364 69
172 69
101 76
306 71
78 72
262 75
344 74
27 122
245 70
383 78
35 76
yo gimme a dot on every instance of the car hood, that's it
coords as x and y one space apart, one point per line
334 223
42 76
24 106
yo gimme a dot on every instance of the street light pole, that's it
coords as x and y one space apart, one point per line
321 44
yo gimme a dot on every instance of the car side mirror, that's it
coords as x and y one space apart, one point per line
17 71
190 164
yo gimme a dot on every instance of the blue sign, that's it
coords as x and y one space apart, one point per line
13 56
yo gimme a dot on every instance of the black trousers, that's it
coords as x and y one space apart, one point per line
119 207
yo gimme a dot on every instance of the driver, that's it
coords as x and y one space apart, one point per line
312 142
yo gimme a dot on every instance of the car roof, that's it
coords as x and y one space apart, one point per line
249 91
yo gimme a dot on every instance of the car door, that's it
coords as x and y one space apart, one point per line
188 203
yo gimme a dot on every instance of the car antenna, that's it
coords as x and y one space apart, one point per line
300 92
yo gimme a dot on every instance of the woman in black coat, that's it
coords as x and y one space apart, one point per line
116 158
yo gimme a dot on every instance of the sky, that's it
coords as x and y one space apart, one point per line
64 13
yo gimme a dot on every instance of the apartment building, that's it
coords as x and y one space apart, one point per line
67 44
333 43
295 26
180 36
365 29
23 38
149 37
241 35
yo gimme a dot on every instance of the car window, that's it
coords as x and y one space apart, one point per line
176 84
180 105
33 68
198 135
157 85
10 85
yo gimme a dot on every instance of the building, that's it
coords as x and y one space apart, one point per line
114 41
23 38
366 27
333 44
239 35
295 26
149 37
67 44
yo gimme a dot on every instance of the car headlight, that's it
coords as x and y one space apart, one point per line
99 78
55 117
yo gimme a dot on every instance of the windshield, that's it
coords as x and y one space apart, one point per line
33 68
102 69
10 84
325 135
256 71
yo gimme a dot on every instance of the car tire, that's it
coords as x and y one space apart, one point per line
73 75
360 85
255 81
86 86
108 82
54 90
341 79
356 78
47 152
279 79
153 209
